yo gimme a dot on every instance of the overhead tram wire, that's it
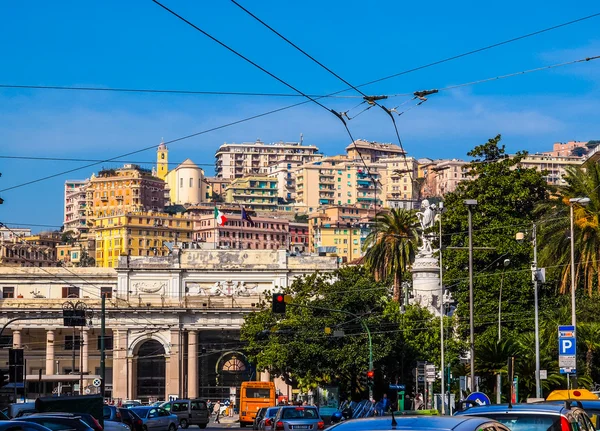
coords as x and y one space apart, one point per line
372 100
307 101
163 91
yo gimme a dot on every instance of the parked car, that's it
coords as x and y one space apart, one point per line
190 412
85 417
290 418
420 423
58 422
534 417
129 417
591 408
16 408
116 426
156 418
266 423
112 413
260 414
6 425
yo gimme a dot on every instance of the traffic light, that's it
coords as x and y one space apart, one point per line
370 377
278 303
16 364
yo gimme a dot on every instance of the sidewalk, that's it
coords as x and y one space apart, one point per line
226 421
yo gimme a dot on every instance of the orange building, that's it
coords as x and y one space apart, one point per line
130 188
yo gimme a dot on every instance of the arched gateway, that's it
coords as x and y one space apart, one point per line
151 370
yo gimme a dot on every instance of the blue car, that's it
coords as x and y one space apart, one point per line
562 416
420 423
156 418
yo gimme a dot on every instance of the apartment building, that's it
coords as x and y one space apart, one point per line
339 180
75 206
299 237
8 233
265 233
217 186
30 251
258 192
138 234
284 172
372 151
340 231
440 176
554 166
400 181
568 149
252 158
126 189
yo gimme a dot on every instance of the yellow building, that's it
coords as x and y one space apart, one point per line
130 188
400 182
339 231
139 234
258 192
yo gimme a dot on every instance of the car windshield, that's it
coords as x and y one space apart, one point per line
56 426
272 412
299 413
140 412
527 422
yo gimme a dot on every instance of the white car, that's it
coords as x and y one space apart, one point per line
116 426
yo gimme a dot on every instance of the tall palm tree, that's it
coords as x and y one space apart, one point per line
588 334
390 247
555 228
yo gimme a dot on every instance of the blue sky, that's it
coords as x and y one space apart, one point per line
136 44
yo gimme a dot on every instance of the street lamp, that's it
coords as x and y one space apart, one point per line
583 201
470 203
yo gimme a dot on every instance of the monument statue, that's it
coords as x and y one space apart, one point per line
427 219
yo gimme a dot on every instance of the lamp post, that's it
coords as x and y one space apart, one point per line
581 201
470 203
442 360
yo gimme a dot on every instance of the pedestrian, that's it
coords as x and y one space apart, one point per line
385 404
217 411
209 406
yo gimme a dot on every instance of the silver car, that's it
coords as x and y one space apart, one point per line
417 423
266 422
290 418
156 419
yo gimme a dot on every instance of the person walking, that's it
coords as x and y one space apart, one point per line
217 411
385 404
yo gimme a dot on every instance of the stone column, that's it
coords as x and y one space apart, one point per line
172 366
130 379
192 364
119 364
265 376
16 338
49 352
85 351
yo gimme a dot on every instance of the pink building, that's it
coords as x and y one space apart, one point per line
267 233
560 149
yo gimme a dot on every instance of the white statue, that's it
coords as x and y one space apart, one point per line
216 290
427 219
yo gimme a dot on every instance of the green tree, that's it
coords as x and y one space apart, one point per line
506 196
301 218
555 229
86 260
390 247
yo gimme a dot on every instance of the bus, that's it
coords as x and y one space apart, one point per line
255 395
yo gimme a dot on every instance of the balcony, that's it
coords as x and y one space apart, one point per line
104 198
325 201
119 197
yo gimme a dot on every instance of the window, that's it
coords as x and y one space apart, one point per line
105 291
108 342
8 292
258 392
69 342
181 182
70 292
191 182
162 156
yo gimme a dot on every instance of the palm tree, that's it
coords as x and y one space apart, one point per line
390 247
588 334
555 228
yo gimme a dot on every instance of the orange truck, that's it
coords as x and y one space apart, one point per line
255 395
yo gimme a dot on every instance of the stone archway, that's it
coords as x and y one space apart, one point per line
151 370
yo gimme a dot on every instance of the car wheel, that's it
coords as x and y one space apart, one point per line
183 423
202 426
172 427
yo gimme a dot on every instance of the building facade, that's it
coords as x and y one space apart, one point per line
252 158
138 234
166 317
370 152
340 231
553 166
400 183
30 251
266 234
10 233
75 206
258 192
284 172
129 188
186 184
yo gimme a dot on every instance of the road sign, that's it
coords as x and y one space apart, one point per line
543 374
480 398
567 349
97 383
430 373
397 387
87 391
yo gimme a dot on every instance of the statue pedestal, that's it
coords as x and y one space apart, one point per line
426 283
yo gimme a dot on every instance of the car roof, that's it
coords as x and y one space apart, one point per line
410 422
549 408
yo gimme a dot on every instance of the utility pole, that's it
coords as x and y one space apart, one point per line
103 346
471 203
535 272
442 367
